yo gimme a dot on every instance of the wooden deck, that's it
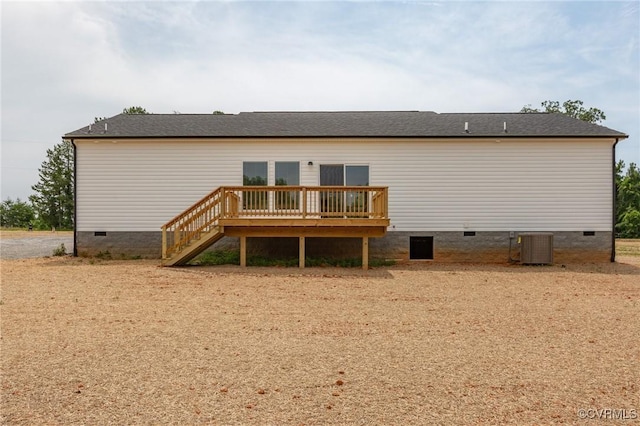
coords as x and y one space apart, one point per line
276 211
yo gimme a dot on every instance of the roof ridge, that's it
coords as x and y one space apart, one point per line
496 113
334 112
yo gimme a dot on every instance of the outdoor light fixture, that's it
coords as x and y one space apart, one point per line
310 163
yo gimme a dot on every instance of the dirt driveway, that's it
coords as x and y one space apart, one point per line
89 341
24 245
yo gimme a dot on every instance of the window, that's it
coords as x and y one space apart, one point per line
287 174
421 248
254 173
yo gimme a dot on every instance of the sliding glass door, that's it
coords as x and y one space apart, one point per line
333 203
357 202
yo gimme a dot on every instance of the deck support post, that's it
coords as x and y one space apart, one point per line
164 242
243 251
301 255
365 253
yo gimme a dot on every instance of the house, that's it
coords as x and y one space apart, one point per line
399 185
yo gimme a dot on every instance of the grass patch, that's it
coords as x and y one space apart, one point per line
269 261
130 257
232 257
628 247
351 262
217 257
104 255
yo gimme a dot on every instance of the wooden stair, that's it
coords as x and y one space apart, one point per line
194 230
194 248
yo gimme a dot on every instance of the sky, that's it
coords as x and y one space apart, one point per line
65 63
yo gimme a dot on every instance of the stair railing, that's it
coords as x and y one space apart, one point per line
189 225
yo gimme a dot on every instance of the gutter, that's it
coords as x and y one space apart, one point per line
75 198
614 202
461 136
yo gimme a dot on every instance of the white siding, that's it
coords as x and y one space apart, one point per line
445 185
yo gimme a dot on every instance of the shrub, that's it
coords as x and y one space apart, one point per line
60 251
629 225
270 261
217 257
232 257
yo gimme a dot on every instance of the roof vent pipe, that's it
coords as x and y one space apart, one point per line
466 127
505 127
89 127
105 127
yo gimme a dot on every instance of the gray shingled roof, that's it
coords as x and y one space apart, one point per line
342 124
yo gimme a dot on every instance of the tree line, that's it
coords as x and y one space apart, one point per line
51 205
627 201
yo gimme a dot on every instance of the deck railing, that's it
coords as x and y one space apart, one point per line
262 202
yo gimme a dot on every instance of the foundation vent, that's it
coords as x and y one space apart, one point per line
536 248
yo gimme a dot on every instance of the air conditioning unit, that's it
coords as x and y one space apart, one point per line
536 248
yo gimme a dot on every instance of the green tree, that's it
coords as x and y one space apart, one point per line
628 201
627 185
130 110
16 214
135 110
218 112
573 109
53 198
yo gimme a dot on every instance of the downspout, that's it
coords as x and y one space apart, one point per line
75 198
614 202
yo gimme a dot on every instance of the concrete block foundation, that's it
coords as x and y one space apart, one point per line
449 246
118 244
493 247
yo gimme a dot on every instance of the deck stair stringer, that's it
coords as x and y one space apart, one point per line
194 248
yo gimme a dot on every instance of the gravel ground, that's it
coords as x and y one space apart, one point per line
88 341
24 245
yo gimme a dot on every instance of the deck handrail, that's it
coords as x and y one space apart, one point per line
256 202
194 206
